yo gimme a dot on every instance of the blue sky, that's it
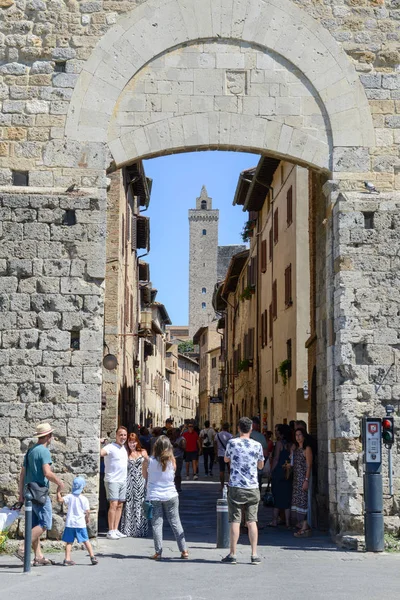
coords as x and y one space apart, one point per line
177 182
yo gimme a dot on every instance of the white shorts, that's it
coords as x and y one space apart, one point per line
115 490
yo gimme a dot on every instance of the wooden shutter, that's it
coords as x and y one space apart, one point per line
250 349
289 204
271 244
263 256
271 320
253 272
266 326
288 286
262 330
276 226
246 346
274 300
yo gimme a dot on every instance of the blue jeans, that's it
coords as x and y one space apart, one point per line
42 515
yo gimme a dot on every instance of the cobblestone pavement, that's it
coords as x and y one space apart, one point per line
313 568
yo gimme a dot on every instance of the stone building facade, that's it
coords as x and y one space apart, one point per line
89 86
209 342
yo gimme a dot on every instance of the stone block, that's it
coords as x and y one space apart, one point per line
65 411
17 374
57 394
91 340
76 285
44 374
8 285
41 411
48 285
20 302
54 340
7 320
49 320
56 268
89 393
37 231
25 357
55 359
82 427
92 375
355 160
68 375
28 339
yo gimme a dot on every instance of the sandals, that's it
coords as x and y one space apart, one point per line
156 556
69 563
185 555
20 555
43 562
303 533
94 560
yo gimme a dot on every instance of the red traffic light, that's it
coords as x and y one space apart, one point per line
388 431
387 424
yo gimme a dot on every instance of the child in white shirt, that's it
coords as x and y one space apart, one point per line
77 520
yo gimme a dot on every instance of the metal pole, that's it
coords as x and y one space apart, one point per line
28 532
373 492
390 466
222 521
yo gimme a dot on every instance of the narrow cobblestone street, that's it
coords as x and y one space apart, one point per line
312 567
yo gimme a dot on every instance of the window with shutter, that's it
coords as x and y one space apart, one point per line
123 235
253 272
249 274
266 326
271 244
289 203
133 236
263 256
271 320
262 330
250 342
274 300
288 286
276 226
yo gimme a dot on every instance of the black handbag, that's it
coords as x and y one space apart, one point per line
38 492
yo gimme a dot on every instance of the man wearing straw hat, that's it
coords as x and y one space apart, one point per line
37 469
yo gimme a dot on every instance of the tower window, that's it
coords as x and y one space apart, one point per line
203 204
204 231
203 290
203 305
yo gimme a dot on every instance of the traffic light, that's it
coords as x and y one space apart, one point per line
388 431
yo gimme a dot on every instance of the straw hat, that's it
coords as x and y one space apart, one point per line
43 429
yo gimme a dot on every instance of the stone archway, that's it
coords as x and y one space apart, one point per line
276 29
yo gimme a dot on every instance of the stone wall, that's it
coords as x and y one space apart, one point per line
51 320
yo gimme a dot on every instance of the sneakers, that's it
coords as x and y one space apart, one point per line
120 534
112 535
187 478
229 559
195 477
255 560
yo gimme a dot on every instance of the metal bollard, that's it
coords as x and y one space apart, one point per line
28 533
222 521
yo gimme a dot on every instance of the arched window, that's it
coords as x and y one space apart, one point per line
204 231
203 305
203 204
203 290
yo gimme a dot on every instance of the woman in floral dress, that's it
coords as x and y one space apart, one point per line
302 466
133 521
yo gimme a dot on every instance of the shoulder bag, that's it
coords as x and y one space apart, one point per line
38 492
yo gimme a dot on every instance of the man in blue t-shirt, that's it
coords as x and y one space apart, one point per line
37 469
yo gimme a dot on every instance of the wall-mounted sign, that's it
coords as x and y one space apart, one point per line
305 389
216 400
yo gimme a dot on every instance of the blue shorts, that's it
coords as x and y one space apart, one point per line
72 533
42 516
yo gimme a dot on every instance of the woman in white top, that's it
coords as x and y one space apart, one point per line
159 470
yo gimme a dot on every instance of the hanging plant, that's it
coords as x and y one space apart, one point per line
247 230
244 365
246 294
285 370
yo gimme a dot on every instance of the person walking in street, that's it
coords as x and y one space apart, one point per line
207 436
245 456
220 441
281 476
193 447
259 437
133 520
159 471
179 445
37 470
115 468
77 520
302 468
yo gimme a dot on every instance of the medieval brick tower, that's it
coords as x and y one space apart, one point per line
203 241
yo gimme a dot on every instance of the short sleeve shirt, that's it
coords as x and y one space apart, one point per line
222 438
191 441
244 453
34 460
77 507
115 463
207 435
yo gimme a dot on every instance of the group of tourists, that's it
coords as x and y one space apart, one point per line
143 481
291 464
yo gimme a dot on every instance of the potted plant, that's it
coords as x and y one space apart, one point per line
285 370
244 365
247 231
247 293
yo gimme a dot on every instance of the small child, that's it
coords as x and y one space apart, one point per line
77 520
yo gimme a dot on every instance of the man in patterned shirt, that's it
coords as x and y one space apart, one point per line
245 456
